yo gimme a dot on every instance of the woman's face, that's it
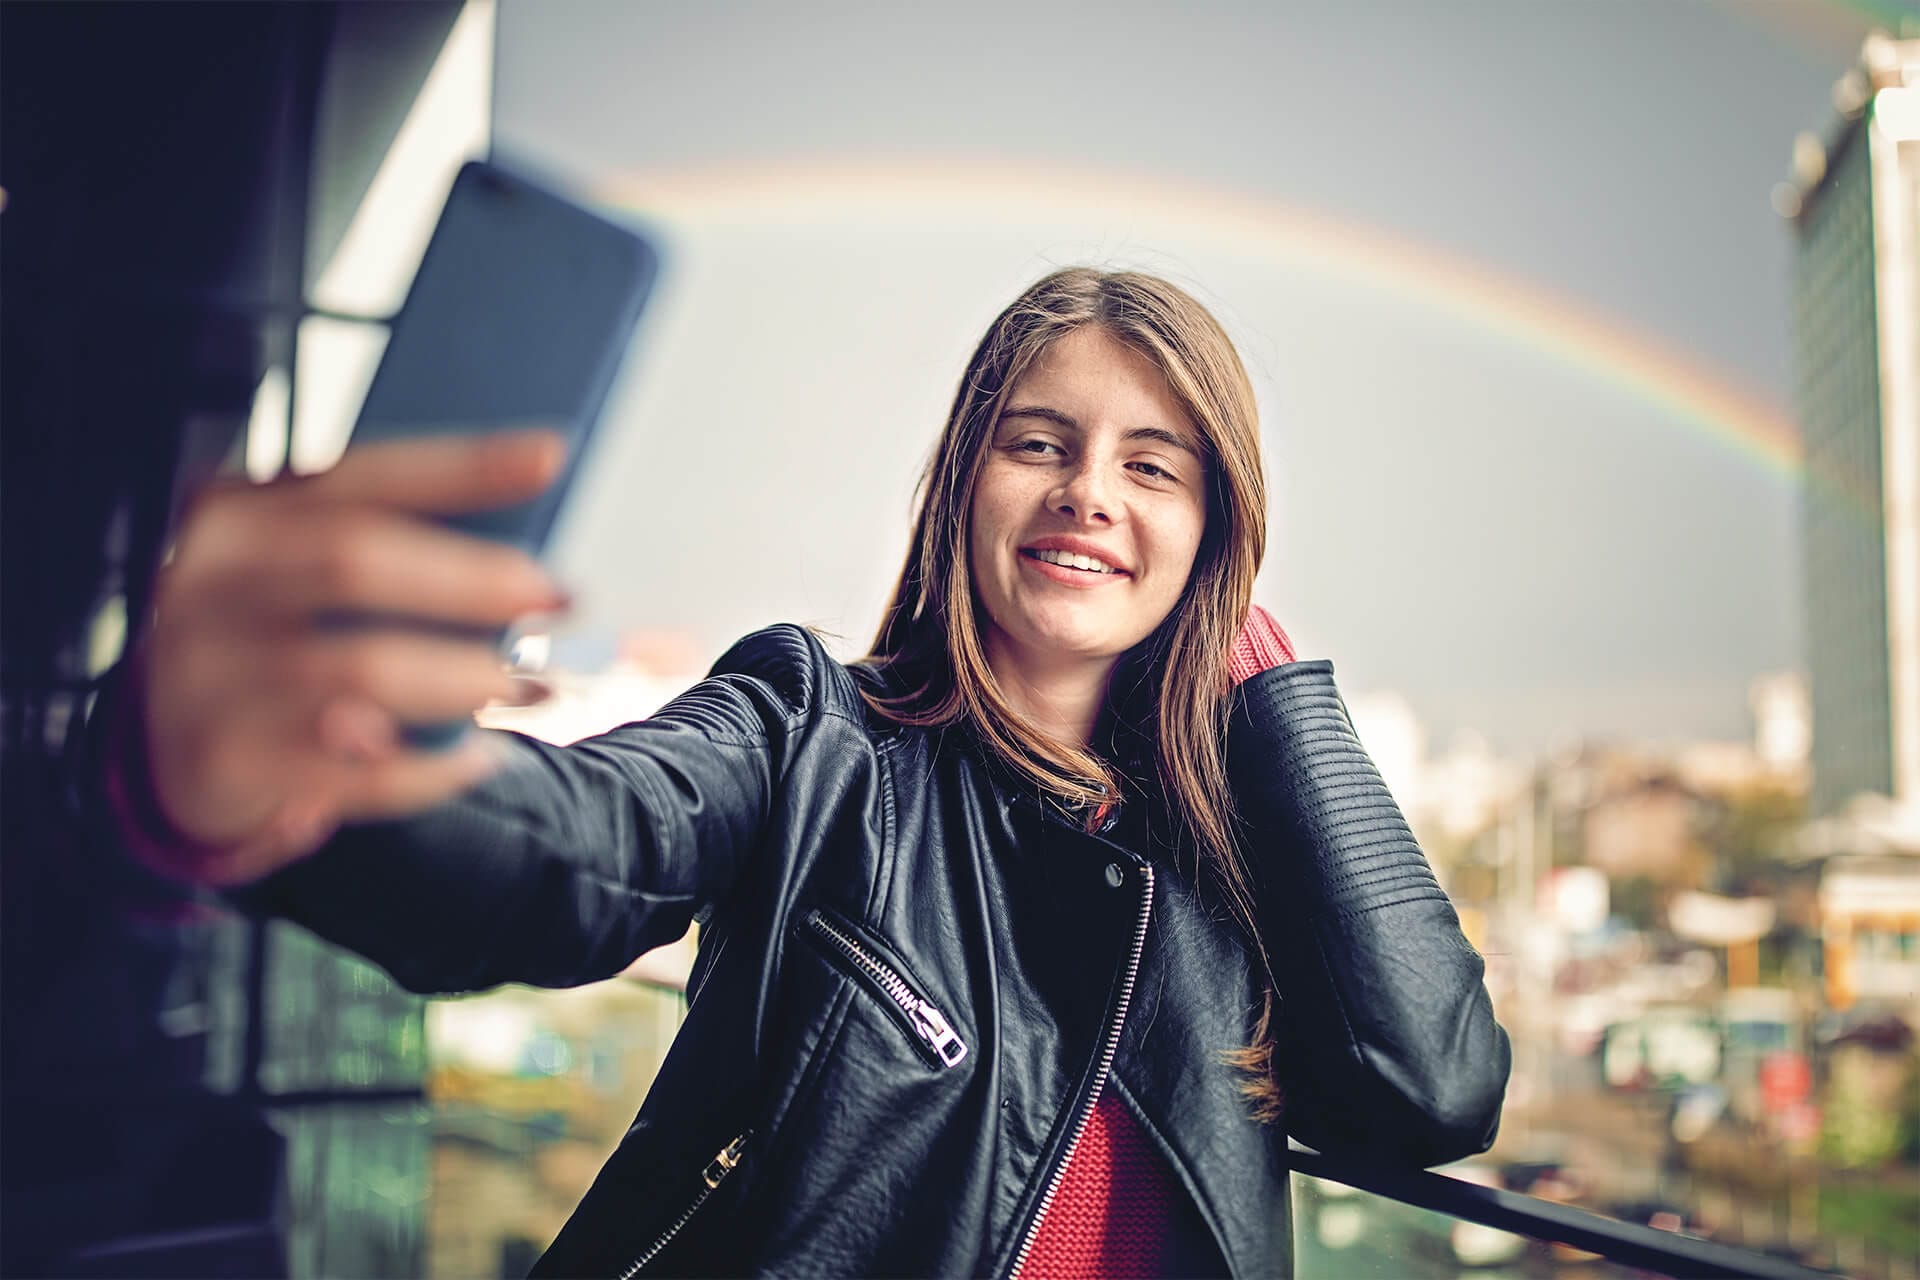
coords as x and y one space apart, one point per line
1089 507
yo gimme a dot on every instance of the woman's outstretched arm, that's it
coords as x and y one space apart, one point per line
567 863
1386 1039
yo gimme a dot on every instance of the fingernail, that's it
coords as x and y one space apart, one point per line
545 616
550 449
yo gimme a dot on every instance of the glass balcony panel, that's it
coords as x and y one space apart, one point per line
531 1091
357 1186
1340 1233
335 1022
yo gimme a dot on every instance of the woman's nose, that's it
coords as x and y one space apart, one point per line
1083 496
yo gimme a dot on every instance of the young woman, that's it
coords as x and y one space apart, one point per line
1028 938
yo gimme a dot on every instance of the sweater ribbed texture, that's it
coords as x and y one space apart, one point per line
1261 644
1112 1217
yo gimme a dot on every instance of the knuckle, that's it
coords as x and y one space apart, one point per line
467 675
348 563
361 667
212 524
301 667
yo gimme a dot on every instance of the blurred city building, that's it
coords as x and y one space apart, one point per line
1854 202
1775 756
1870 924
1643 823
648 669
1449 797
1463 788
1783 722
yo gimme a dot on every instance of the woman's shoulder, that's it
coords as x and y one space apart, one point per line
795 664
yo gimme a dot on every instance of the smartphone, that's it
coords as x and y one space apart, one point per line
520 315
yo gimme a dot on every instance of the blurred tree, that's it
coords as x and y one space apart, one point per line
1869 1109
1909 1118
1746 833
1636 899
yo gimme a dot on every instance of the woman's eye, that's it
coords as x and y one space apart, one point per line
1152 472
1034 446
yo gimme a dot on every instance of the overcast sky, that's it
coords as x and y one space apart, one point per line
1520 540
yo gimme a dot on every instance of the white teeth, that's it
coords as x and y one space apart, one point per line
1072 561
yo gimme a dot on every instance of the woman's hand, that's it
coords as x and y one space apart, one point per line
1260 645
263 728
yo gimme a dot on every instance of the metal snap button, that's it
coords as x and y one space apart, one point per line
1115 876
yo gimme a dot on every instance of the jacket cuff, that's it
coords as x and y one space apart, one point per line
126 783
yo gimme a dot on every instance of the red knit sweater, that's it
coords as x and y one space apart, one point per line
1112 1215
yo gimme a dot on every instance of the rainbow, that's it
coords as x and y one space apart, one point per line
1289 236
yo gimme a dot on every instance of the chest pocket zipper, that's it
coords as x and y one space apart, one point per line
932 1031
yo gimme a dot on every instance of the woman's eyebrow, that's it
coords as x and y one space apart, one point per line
1172 439
1054 416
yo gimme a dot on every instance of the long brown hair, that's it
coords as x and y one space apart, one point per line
931 637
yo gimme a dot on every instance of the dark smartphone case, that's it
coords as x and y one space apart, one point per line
521 315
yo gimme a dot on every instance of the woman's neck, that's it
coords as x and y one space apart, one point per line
1063 697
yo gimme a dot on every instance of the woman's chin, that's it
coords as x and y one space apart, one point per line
1072 645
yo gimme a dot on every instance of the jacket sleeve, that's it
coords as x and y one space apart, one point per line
1386 1038
569 862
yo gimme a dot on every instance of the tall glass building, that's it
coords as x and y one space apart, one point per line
1855 207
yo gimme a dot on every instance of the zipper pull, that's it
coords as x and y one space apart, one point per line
938 1032
723 1164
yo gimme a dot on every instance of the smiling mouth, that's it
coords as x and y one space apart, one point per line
1071 560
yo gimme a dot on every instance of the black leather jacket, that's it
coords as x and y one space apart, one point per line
914 978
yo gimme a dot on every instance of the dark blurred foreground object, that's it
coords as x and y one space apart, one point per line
169 173
186 1187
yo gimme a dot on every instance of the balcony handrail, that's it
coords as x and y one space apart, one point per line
1667 1252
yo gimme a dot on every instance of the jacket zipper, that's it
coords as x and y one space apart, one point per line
928 1023
1108 1048
711 1178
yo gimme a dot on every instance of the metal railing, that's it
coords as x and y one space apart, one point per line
1648 1248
